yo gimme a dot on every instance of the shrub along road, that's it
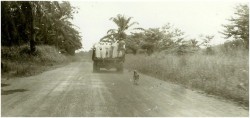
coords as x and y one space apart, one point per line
74 90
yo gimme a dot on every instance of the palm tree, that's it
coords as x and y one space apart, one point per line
123 23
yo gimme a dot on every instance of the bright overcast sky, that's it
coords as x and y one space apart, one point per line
193 17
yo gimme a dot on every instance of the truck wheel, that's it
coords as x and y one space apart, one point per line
120 68
95 67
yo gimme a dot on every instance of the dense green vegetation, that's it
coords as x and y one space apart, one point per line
224 73
221 70
36 35
17 61
39 23
171 39
238 27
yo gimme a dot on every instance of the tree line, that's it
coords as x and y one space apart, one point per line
39 23
173 40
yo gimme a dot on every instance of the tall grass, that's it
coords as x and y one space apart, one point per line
16 61
220 74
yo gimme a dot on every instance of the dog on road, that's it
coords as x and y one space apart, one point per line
136 77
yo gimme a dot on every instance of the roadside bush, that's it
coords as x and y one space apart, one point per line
18 60
218 74
209 51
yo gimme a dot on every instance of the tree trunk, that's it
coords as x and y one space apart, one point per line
32 31
29 16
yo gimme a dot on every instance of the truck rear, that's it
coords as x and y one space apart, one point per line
108 55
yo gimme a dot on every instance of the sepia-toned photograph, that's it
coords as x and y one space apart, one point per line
124 58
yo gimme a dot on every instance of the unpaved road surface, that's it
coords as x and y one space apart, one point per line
73 90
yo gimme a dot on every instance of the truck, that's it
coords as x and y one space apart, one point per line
108 54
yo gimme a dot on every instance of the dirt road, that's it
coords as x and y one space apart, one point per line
74 90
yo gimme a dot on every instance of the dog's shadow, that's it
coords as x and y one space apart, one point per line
7 92
4 85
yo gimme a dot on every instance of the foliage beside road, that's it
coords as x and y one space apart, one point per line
219 70
222 74
171 38
36 35
39 23
17 61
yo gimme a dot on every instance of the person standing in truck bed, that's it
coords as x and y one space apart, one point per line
114 49
121 48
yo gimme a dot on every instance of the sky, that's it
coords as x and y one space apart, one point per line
194 17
